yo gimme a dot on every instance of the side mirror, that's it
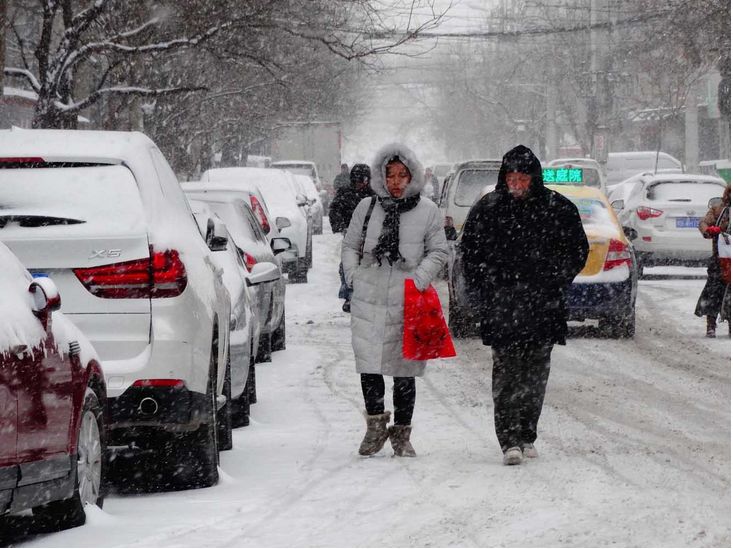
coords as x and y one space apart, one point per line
282 222
262 273
451 233
45 299
280 244
217 237
715 202
301 200
631 233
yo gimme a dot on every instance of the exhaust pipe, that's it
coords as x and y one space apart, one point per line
148 406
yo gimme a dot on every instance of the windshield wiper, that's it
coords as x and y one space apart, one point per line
37 220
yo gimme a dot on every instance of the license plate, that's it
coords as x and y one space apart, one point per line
687 222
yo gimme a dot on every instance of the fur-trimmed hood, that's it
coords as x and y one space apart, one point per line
408 158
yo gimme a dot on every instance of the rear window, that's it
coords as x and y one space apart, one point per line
593 212
234 219
104 200
683 191
470 184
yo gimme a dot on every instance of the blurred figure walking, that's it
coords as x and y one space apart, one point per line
342 208
710 303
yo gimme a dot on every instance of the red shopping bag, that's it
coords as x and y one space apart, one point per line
426 335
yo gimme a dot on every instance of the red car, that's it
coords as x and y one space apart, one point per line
52 404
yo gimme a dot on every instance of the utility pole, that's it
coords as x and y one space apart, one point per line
599 137
4 123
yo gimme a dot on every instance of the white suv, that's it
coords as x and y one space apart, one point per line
102 215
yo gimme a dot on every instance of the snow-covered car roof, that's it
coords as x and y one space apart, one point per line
102 147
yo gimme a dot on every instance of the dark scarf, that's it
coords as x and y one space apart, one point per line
388 245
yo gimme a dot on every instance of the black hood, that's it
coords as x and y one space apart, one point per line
520 159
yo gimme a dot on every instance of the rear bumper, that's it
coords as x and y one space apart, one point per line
594 301
166 408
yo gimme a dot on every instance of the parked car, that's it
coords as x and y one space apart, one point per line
102 214
622 165
230 178
277 189
591 173
232 204
305 205
604 290
310 169
240 279
316 210
665 210
464 187
53 437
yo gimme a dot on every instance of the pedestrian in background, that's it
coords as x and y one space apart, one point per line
522 246
342 208
392 236
342 179
710 303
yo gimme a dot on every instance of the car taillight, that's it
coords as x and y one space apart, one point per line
21 160
161 275
259 211
249 260
175 383
618 254
645 213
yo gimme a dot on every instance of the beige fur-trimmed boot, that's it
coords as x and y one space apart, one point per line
376 434
399 436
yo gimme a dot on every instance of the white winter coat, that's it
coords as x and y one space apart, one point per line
377 304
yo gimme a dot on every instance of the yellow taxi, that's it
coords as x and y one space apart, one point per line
605 290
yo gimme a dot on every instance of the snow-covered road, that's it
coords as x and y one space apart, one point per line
634 447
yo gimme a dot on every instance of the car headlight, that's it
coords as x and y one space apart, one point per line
282 222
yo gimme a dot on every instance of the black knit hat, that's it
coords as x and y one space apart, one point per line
360 172
521 159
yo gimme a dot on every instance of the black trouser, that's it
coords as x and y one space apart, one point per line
711 298
519 380
403 396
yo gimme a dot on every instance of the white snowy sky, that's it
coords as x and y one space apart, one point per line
399 96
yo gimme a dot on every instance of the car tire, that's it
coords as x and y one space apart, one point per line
224 414
300 274
618 327
195 456
460 322
252 384
264 348
278 336
90 472
241 408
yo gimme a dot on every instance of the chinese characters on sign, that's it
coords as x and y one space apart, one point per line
563 176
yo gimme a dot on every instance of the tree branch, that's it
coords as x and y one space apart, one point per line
23 73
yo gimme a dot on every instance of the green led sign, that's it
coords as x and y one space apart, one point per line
563 176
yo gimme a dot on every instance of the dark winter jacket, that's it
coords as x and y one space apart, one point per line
520 256
343 206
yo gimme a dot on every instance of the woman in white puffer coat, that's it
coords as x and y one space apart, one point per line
404 238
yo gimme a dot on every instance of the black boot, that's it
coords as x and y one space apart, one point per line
710 332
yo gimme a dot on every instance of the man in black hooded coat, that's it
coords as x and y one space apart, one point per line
522 246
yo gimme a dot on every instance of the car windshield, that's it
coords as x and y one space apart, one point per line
684 191
470 184
592 211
